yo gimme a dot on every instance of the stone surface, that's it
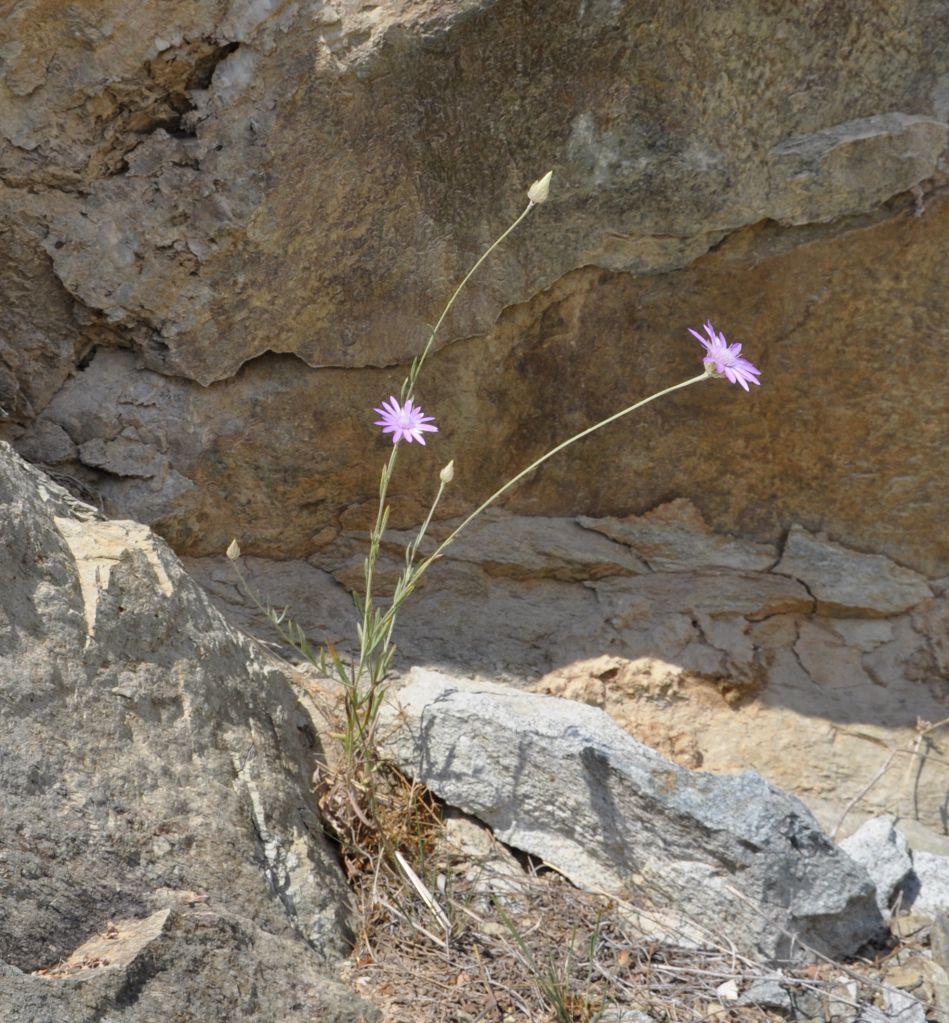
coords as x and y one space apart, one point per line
924 839
939 940
675 538
226 227
503 545
898 1007
816 171
767 993
882 850
847 583
564 783
929 887
614 1015
487 865
161 855
938 981
127 974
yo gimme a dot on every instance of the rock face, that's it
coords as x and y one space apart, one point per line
930 886
841 581
160 852
563 782
226 226
722 653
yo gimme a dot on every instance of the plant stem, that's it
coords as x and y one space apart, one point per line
375 539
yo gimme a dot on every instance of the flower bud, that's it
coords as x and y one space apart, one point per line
233 551
448 473
540 189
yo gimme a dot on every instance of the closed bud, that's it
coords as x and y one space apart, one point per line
540 189
233 551
448 473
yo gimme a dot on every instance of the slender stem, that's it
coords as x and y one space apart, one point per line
375 538
412 548
384 486
382 636
409 385
423 565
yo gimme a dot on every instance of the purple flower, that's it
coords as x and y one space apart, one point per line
404 421
724 360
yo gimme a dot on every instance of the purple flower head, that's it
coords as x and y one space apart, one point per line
404 421
724 360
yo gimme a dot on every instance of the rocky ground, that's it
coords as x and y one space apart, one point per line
525 945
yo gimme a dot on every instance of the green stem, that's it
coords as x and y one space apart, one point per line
375 539
412 548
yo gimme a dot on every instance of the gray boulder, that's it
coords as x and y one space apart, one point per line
739 858
769 993
161 856
878 846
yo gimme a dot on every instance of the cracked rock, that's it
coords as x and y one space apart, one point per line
849 583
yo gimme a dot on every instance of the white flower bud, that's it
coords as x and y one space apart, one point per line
448 473
540 189
233 551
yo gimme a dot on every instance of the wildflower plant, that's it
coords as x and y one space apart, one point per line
363 677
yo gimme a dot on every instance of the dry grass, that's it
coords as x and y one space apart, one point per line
523 944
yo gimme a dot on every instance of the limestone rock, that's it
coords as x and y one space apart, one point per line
813 704
502 545
847 583
939 941
521 546
221 127
675 538
260 209
818 174
898 1007
768 993
157 968
563 782
696 665
711 594
161 853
